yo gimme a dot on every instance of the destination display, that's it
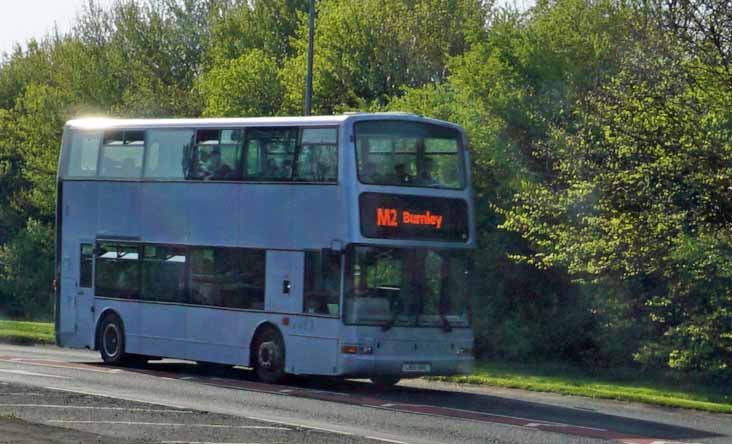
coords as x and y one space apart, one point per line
398 216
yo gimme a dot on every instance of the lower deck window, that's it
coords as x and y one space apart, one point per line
118 271
163 274
211 276
228 277
322 288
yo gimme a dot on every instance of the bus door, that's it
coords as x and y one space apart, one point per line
284 281
77 295
85 292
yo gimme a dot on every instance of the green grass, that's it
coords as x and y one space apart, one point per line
662 389
26 333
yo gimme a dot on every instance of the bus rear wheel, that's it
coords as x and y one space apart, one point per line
112 341
385 382
269 356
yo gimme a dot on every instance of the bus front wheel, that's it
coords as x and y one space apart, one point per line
269 356
112 340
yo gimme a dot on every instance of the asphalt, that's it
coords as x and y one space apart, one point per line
176 402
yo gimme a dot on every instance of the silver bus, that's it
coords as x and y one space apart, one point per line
333 245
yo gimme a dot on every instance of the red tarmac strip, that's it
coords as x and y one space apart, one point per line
365 401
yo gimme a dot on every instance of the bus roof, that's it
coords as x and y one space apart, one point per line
104 122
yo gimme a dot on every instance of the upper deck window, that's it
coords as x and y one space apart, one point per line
216 155
292 154
84 151
409 154
270 153
166 150
264 154
122 153
317 158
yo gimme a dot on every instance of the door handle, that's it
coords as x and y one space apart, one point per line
286 287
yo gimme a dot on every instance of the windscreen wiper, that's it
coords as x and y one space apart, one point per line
390 323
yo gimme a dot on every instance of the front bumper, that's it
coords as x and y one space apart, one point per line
364 366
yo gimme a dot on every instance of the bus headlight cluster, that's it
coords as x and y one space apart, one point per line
357 349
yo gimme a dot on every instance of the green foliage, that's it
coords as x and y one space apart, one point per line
266 25
246 86
639 197
367 52
26 273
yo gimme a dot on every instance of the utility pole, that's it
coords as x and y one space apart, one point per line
309 79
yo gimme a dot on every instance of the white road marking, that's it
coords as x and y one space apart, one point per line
167 424
27 373
102 395
87 407
60 364
376 438
253 418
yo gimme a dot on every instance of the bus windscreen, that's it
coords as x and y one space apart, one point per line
406 287
413 154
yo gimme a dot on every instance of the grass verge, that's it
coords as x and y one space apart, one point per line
26 333
663 390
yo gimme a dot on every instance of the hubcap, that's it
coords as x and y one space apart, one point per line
111 340
268 355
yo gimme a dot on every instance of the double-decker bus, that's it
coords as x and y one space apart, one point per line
334 245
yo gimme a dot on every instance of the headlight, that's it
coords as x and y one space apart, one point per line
357 349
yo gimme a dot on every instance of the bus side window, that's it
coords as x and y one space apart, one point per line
270 154
83 154
216 155
322 287
122 153
163 274
118 271
168 153
227 277
85 266
317 159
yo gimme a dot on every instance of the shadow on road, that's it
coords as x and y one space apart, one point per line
458 404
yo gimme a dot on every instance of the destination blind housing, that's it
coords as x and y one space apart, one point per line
391 216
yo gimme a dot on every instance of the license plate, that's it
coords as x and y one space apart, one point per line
416 367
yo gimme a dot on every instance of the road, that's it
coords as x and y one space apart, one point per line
177 402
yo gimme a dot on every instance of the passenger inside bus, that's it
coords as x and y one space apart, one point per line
216 169
425 177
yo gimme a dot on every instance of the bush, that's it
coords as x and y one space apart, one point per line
26 274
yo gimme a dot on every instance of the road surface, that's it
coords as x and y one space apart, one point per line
176 402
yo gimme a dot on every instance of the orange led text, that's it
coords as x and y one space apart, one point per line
389 217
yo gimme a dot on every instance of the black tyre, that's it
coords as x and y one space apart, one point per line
385 382
112 341
269 356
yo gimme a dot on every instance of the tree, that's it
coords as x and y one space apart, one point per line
246 86
368 52
640 197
